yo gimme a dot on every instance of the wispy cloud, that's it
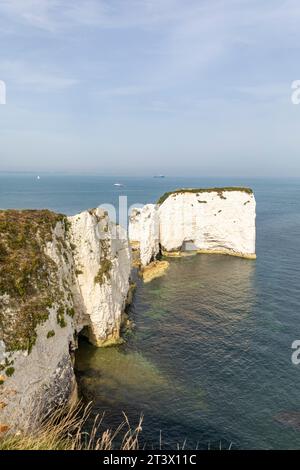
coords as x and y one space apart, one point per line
33 77
53 15
41 14
190 34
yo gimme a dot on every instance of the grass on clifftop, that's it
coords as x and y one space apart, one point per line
219 191
28 284
65 430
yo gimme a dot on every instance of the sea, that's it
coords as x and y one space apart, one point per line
208 363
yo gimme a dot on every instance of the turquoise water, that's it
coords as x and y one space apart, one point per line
209 360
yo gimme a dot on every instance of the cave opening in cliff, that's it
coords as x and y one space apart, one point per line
188 245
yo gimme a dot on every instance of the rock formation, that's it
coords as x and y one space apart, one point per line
102 262
144 229
58 276
215 220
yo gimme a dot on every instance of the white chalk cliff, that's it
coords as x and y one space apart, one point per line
78 277
144 229
220 220
102 262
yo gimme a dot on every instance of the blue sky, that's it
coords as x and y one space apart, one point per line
181 87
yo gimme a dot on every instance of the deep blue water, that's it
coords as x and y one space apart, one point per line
210 357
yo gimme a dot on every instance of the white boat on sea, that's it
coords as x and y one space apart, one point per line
118 184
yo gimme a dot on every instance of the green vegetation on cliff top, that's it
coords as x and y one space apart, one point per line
219 191
28 281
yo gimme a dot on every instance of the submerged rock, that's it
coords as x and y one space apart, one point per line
289 418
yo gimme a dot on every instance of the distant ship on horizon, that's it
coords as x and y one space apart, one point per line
159 176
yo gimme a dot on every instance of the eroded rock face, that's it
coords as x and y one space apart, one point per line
217 220
134 229
144 229
102 262
57 276
214 221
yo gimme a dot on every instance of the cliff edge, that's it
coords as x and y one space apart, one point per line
58 276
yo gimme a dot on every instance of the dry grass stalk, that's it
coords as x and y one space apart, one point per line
64 430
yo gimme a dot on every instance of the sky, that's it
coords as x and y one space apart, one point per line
138 87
